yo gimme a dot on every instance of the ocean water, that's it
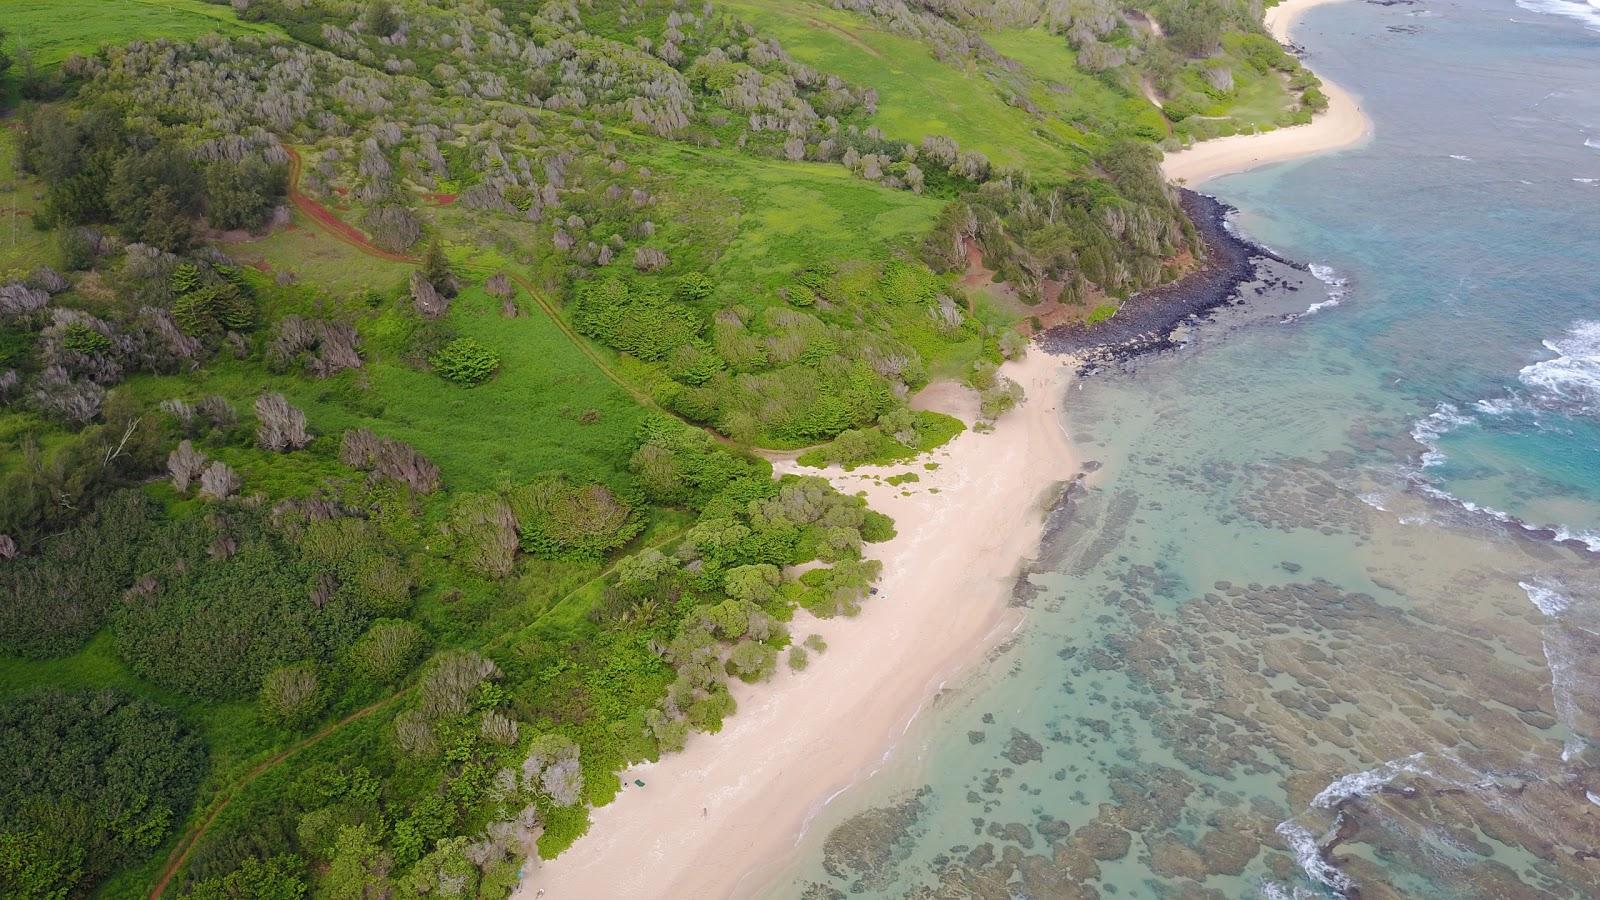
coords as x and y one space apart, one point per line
1324 624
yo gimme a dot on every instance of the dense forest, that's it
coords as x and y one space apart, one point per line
383 384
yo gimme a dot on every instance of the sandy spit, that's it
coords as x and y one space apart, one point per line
722 817
1344 124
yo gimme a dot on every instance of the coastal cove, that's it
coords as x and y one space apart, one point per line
1342 125
799 449
725 816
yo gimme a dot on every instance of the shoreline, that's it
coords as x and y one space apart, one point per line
1148 320
1342 125
722 817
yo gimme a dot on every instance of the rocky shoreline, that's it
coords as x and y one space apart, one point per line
1146 323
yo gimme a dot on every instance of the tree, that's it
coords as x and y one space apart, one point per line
5 58
274 878
152 195
90 781
380 18
243 194
436 268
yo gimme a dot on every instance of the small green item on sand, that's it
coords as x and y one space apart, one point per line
638 782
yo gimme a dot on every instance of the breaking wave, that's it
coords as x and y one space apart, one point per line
1571 381
1427 431
1308 853
1586 12
1361 784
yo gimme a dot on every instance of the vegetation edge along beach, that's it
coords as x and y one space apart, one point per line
966 586
412 413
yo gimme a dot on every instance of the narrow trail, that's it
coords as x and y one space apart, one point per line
180 853
329 222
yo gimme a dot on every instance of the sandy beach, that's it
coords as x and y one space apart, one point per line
719 818
722 817
1344 124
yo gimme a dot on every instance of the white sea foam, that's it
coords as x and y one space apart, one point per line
1571 381
1592 142
1360 784
1586 12
1589 539
1271 890
1500 406
1309 855
1550 601
1460 157
1564 685
1427 431
1586 180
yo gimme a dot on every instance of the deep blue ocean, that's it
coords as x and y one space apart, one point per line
1324 624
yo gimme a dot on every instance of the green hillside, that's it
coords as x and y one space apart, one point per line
383 384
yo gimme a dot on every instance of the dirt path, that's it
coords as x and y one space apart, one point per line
329 222
180 853
186 845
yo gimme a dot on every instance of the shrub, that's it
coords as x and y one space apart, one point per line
752 661
292 695
273 878
557 519
466 362
231 601
694 287
387 458
51 603
1013 344
185 464
280 425
388 651
484 531
219 481
392 227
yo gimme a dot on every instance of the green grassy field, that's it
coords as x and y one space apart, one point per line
55 29
1092 104
917 94
21 245
530 418
765 218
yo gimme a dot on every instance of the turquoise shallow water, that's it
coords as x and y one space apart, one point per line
1294 640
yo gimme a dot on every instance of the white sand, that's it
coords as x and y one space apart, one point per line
1342 125
723 815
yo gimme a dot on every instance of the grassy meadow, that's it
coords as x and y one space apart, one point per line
52 30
